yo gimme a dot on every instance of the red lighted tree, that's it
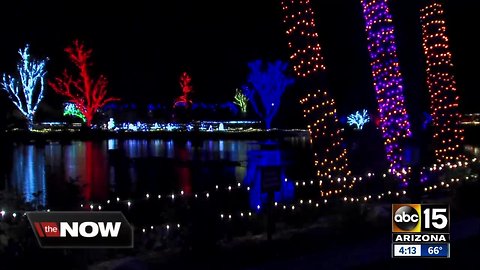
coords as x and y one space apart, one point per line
186 85
87 93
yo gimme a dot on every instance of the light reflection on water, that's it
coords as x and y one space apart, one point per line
475 150
29 170
129 166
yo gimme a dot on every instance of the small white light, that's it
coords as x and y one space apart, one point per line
159 196
118 199
178 225
108 201
151 227
129 203
14 215
99 207
168 227
148 195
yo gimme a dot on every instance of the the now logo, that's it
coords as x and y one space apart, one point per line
85 229
81 229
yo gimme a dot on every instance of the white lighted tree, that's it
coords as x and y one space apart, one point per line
358 119
27 86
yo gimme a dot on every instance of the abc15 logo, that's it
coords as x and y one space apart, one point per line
415 218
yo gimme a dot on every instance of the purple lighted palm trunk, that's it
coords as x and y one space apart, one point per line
387 81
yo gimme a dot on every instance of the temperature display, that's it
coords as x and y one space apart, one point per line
422 250
436 250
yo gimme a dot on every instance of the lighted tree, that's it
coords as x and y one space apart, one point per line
269 85
447 133
319 107
186 85
72 110
87 92
27 87
241 100
302 37
388 83
330 156
358 119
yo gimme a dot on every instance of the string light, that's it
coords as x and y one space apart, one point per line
26 90
388 82
330 157
447 133
241 100
307 184
72 110
88 93
358 119
302 37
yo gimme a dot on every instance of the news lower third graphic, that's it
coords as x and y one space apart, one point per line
81 229
421 230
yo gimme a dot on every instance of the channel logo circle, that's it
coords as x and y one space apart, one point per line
406 218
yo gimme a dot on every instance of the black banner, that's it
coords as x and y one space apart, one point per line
81 229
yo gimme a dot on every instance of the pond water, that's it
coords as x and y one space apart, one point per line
100 170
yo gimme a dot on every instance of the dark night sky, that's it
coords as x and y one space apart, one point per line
143 49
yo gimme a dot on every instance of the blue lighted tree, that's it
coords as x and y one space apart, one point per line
269 85
358 119
26 89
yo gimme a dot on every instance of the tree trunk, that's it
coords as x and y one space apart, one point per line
30 121
89 121
268 123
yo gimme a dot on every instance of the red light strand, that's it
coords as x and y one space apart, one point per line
87 93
